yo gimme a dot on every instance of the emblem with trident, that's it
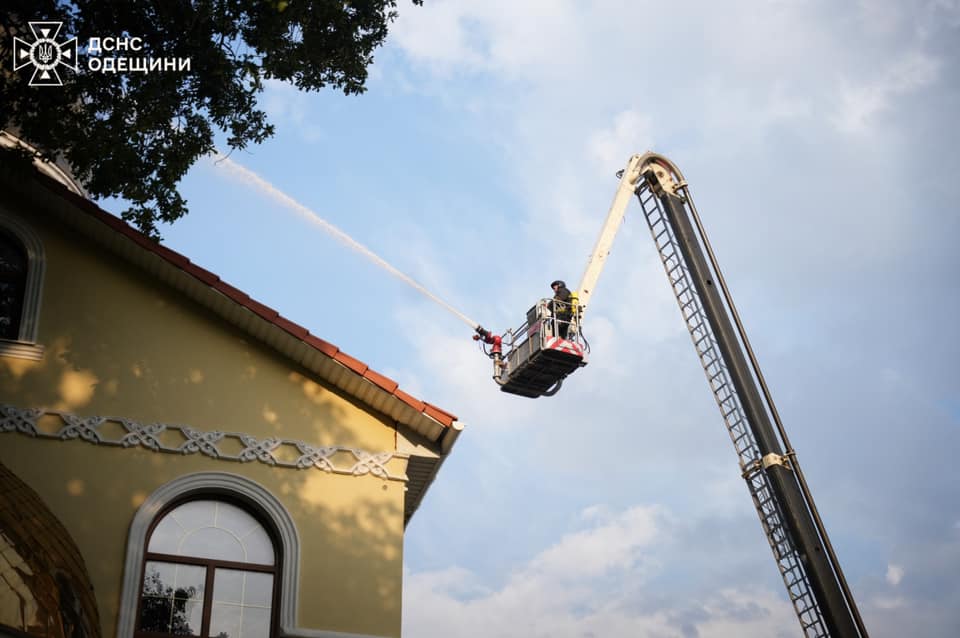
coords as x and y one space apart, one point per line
45 54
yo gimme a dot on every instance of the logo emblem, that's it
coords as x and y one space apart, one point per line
45 54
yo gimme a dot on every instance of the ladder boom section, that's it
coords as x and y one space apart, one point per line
813 581
601 250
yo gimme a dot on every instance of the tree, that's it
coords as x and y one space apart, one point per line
163 609
135 134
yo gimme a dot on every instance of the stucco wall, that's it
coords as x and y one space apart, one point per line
118 344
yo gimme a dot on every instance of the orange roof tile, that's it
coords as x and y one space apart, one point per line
202 274
413 402
263 311
325 347
436 413
354 364
386 383
297 331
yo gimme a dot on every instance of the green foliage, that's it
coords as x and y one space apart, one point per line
134 135
163 609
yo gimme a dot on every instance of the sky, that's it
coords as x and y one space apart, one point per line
819 140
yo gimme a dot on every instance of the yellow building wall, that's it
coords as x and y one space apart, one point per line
120 344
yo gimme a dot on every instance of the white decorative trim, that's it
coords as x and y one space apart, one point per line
19 350
150 436
212 483
30 315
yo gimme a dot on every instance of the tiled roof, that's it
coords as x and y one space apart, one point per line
238 296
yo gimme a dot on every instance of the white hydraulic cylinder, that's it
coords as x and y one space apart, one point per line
601 250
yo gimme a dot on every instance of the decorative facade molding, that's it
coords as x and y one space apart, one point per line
182 439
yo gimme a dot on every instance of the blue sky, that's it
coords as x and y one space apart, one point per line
820 143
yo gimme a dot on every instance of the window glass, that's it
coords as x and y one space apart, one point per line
259 547
238 521
243 588
212 529
167 536
210 542
13 283
220 544
172 598
195 514
241 604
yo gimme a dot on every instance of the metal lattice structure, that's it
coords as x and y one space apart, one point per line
718 376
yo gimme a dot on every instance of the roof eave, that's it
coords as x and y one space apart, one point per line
348 374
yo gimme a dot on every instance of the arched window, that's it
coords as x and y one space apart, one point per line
166 531
21 281
211 570
13 285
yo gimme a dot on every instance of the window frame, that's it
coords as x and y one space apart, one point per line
253 497
212 564
16 278
25 346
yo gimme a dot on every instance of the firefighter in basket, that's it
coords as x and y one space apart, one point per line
562 307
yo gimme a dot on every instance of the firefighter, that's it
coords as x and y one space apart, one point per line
562 309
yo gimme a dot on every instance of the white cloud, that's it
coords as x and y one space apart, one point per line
597 582
455 581
890 602
590 553
287 106
862 102
882 16
893 18
439 37
596 513
501 37
894 574
631 132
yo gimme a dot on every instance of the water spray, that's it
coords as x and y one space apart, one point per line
312 217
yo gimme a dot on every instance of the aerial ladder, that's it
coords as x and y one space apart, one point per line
536 361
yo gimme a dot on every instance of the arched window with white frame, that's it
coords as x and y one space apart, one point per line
21 282
203 551
210 570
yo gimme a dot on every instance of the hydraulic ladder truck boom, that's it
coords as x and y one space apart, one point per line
537 359
807 562
601 249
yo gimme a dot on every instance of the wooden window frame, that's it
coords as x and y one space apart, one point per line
211 565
